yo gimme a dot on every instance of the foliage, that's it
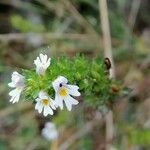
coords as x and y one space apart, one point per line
139 136
89 75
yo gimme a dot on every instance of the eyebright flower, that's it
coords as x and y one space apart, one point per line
64 91
42 63
17 82
46 103
49 131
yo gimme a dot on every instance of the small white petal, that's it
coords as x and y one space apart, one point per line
47 110
43 95
73 90
59 101
37 99
52 104
47 64
13 92
11 84
73 101
17 80
63 79
69 101
68 104
16 99
39 107
15 96
42 57
48 61
45 58
16 77
12 99
37 61
55 85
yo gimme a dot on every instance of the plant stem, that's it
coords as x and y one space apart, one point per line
106 34
107 53
54 145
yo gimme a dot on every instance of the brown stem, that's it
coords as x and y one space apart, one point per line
107 53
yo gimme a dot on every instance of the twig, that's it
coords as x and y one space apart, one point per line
65 25
106 34
131 20
11 109
14 3
87 128
49 5
44 36
107 53
79 18
54 145
109 129
17 4
38 39
133 13
69 6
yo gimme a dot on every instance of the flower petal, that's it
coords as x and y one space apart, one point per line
39 107
12 99
15 96
58 101
17 79
69 101
43 58
16 99
37 61
13 92
73 90
11 84
37 99
68 104
52 104
47 63
63 79
14 76
47 110
43 95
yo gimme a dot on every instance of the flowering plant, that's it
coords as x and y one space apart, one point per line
61 80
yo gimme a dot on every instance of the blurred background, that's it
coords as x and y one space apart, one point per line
55 27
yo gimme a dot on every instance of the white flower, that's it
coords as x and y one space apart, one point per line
64 92
44 102
17 82
42 63
49 131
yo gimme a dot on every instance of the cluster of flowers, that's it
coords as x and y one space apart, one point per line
63 91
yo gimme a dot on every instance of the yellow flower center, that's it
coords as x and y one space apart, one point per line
18 88
45 102
63 91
